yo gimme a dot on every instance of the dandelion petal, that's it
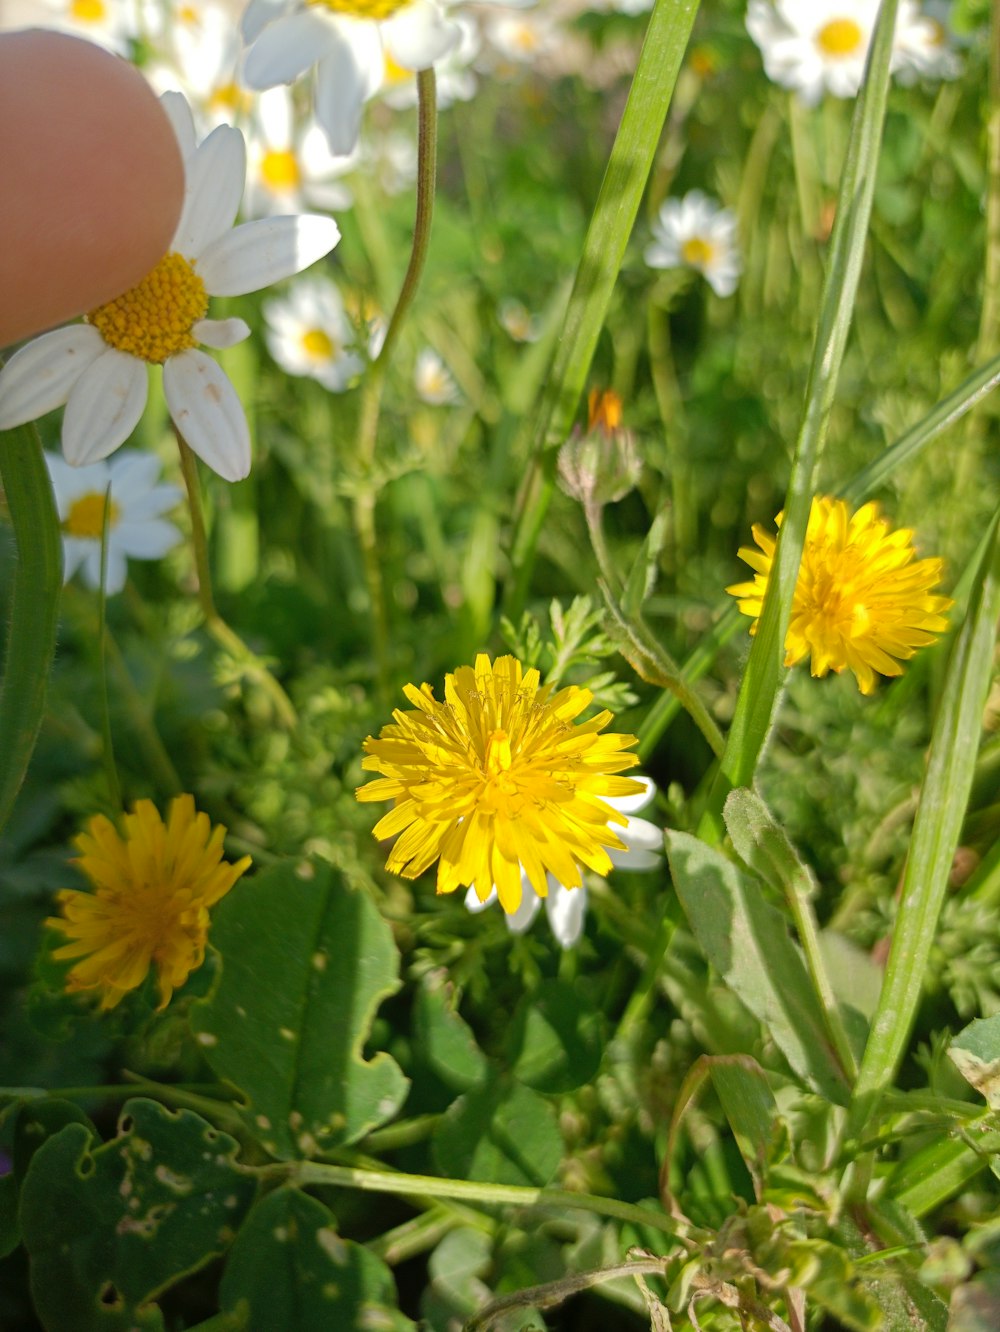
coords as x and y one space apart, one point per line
258 253
104 407
208 413
41 375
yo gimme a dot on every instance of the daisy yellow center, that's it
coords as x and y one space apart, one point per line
839 37
317 345
498 779
229 97
156 318
88 11
188 14
697 252
279 169
394 73
937 36
86 516
366 9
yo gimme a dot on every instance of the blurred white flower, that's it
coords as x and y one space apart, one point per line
433 380
99 369
522 38
927 48
518 322
199 54
391 160
566 908
817 46
456 81
694 232
621 6
112 24
289 167
347 42
308 333
128 488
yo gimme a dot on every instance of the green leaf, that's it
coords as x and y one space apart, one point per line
10 1229
975 1052
109 1228
500 1134
445 1039
742 1087
456 1267
555 1042
641 581
290 1269
747 941
763 846
34 609
306 961
36 1121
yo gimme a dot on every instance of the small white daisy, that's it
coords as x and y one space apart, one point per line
127 487
433 380
99 369
523 38
290 166
456 81
518 322
347 42
112 24
694 232
199 55
566 908
927 48
308 333
817 46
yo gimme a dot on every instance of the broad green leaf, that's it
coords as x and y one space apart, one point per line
641 581
747 1102
306 961
10 1230
501 1134
555 1042
38 1120
289 1269
975 1052
445 1039
456 1267
747 941
108 1228
763 846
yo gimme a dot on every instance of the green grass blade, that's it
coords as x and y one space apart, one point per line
34 609
765 669
610 227
936 828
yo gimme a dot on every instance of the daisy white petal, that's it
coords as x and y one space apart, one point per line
258 253
287 47
148 540
521 920
208 413
257 15
134 474
567 910
42 374
631 804
179 114
473 904
418 34
215 175
345 78
221 333
104 407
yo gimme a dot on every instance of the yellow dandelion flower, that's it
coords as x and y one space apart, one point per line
862 601
149 907
496 778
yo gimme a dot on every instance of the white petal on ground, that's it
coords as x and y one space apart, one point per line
221 333
287 47
567 910
419 34
215 176
42 375
258 253
208 413
175 104
104 407
346 77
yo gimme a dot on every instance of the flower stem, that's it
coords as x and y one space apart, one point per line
227 638
374 384
429 1186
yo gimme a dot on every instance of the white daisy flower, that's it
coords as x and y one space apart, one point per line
390 159
927 48
523 38
433 380
99 369
817 46
289 167
347 41
112 24
308 333
127 487
567 907
200 58
518 322
694 232
621 6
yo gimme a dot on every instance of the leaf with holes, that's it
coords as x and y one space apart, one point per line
290 1269
108 1228
306 961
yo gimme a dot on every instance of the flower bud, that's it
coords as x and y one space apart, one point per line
601 465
